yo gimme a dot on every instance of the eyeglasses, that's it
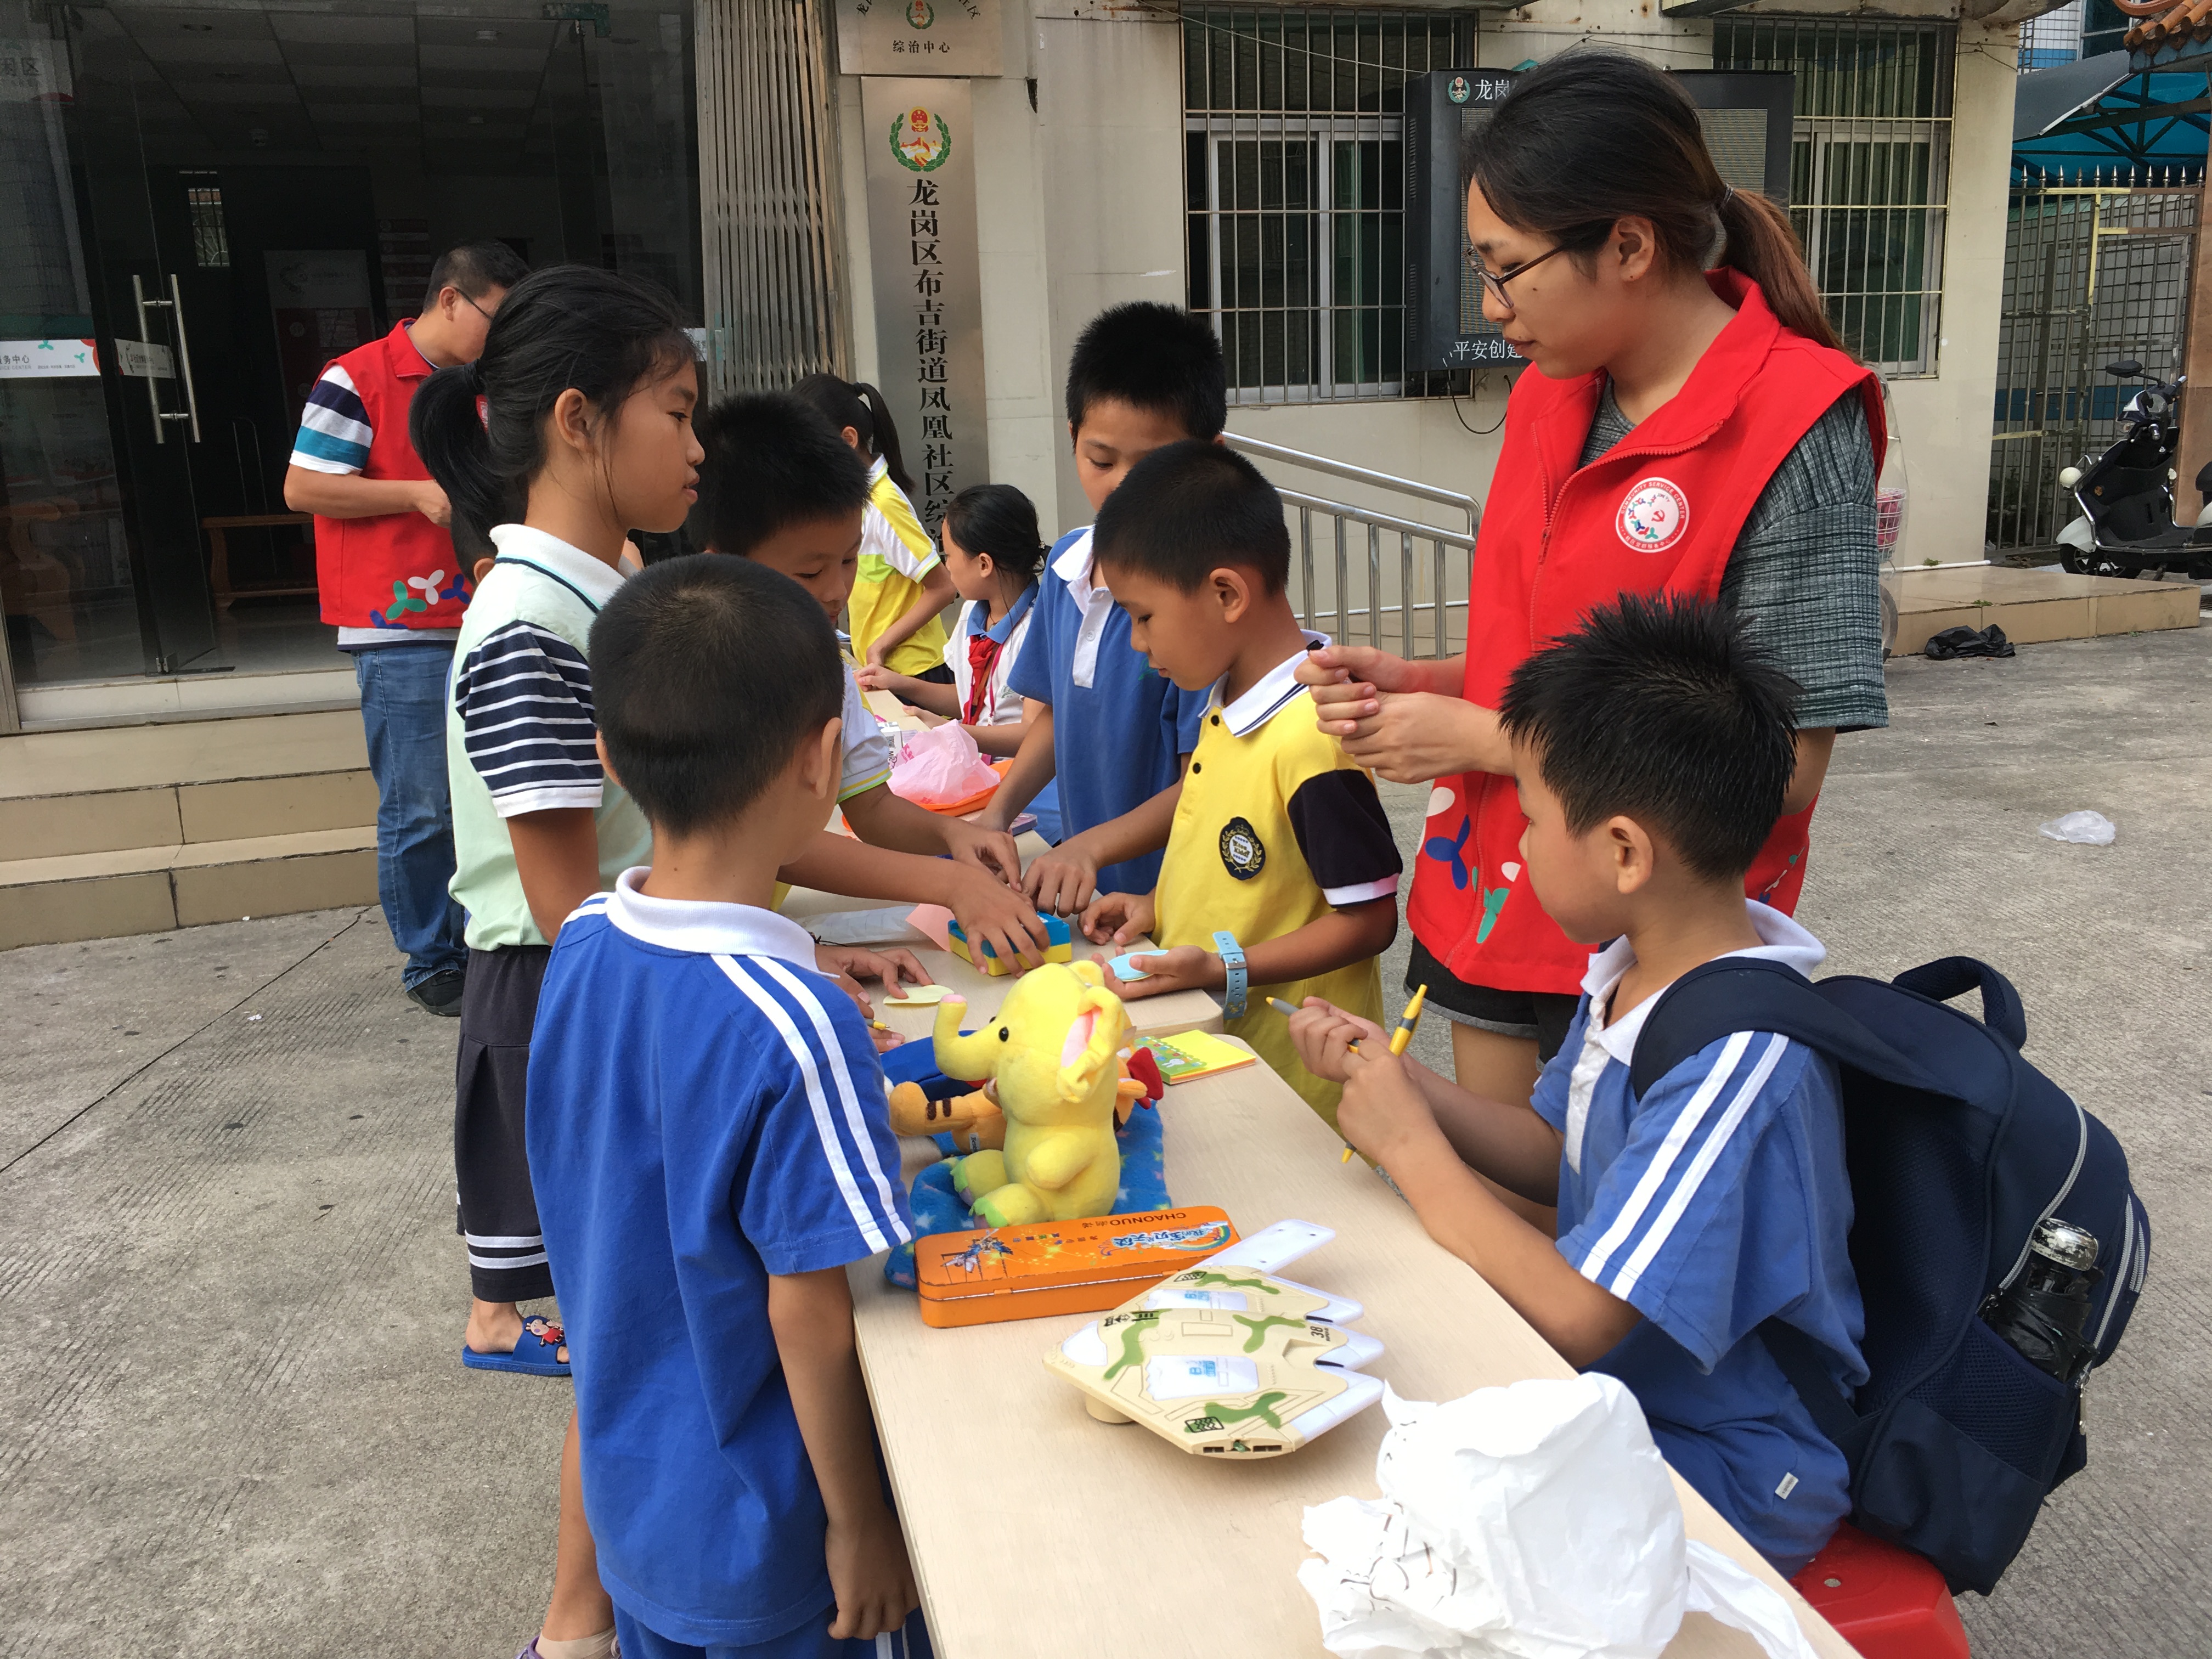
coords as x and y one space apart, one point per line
1495 281
486 315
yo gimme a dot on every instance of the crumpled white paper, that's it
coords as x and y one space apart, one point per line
2084 828
1534 1522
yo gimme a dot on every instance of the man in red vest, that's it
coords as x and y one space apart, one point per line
395 588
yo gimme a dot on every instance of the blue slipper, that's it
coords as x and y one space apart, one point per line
533 1354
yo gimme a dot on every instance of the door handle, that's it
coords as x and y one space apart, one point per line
175 306
184 357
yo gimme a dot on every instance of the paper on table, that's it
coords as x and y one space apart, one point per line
932 919
919 996
1534 1522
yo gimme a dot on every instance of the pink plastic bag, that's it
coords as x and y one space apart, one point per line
940 767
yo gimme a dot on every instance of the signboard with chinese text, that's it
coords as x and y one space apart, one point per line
918 36
48 360
920 170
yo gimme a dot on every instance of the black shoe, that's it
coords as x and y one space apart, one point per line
440 993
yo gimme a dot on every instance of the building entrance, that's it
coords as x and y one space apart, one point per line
206 204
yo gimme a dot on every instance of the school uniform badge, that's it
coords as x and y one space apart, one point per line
1653 515
1243 854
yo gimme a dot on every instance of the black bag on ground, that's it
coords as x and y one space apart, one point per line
1958 1148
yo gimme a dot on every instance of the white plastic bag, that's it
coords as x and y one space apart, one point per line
940 767
1536 1522
2088 829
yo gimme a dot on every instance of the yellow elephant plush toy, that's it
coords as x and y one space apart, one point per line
1052 1051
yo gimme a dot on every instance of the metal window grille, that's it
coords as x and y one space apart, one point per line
210 236
1870 173
1295 191
2052 38
2093 274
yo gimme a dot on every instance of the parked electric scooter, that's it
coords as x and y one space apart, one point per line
2126 495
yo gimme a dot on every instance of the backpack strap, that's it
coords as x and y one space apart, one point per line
1751 993
1956 976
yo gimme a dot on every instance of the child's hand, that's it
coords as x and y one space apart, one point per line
870 1575
1063 879
1323 1033
1117 918
991 850
989 911
1384 1113
872 676
850 964
1186 967
875 656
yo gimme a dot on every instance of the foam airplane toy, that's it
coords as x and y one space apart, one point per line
1223 1359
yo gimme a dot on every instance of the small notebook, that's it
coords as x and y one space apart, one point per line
1190 1055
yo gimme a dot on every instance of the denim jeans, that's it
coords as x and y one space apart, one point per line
403 710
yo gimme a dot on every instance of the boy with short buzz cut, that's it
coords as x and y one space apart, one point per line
1281 874
1142 376
709 1141
779 487
1653 747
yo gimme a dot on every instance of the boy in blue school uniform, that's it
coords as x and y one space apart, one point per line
1652 749
710 1143
1142 376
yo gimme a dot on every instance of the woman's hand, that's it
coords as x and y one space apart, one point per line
1323 1035
872 676
1406 719
878 648
1117 918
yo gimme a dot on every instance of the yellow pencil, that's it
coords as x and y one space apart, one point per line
1400 1037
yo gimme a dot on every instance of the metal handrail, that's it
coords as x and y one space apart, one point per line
1373 602
1427 492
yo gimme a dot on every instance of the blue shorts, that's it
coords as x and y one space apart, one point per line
810 1640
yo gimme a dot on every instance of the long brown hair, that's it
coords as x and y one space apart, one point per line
1593 137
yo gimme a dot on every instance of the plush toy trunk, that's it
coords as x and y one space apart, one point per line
1049 1268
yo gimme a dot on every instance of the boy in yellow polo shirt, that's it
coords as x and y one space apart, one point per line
1281 874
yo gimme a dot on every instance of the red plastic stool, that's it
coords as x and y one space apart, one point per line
1885 1601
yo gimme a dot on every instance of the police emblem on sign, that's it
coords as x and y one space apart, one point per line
1243 854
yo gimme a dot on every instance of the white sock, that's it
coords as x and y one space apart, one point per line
601 1646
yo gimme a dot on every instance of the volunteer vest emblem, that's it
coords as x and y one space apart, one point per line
920 140
1653 515
1243 854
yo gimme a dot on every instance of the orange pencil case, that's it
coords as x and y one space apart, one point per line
1048 1267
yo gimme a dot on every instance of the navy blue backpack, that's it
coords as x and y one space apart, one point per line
1957 1149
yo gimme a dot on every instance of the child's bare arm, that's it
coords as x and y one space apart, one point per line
1066 878
985 906
883 819
1033 767
936 593
1384 1115
923 694
1321 946
810 1315
557 859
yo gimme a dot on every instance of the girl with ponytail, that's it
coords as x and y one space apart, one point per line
1688 424
902 584
573 429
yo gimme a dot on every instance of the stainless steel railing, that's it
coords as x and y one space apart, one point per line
1353 590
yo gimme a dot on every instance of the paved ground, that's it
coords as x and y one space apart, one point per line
232 1421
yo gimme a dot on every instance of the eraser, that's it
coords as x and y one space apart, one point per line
1125 968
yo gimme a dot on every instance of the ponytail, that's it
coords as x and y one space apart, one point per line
997 519
480 428
1593 137
857 404
1763 245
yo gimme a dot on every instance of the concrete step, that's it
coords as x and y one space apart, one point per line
2034 606
137 828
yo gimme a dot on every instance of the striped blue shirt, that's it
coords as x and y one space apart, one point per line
335 435
706 1113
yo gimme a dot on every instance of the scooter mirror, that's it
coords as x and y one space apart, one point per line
2126 368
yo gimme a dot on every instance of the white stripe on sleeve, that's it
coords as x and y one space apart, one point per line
824 1128
1655 1238
855 1120
1662 1162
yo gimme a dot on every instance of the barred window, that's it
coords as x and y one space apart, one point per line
210 237
1295 191
1869 172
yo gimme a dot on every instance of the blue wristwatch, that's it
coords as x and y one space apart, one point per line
1232 958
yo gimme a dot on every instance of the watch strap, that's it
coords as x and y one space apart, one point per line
1232 959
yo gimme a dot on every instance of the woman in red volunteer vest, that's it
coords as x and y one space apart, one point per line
1688 424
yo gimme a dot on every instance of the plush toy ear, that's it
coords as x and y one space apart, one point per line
1094 1040
1087 971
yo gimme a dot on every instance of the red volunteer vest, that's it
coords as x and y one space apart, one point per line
1659 513
397 570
